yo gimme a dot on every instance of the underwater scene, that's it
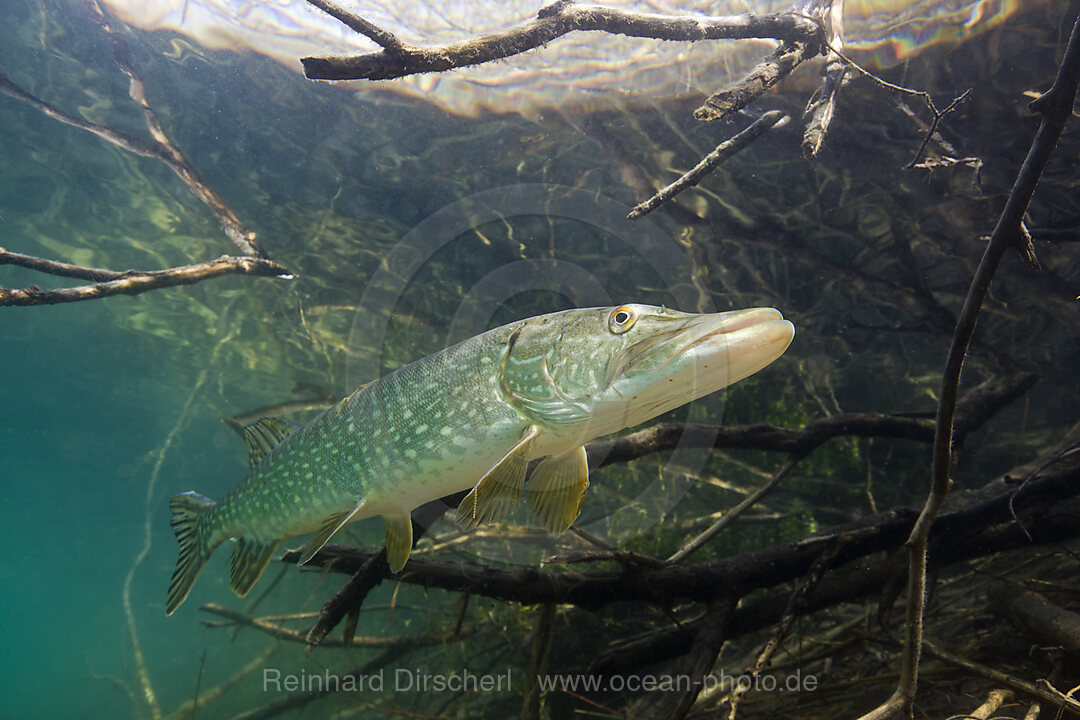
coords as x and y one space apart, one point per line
628 359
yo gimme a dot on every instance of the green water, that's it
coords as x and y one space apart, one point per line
112 406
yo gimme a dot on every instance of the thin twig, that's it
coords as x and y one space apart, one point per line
198 684
796 607
151 486
1029 478
731 515
298 636
723 151
930 104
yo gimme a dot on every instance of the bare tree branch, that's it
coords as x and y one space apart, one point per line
550 23
132 282
243 237
358 24
987 508
976 407
1055 106
128 282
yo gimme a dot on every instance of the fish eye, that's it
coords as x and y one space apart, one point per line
621 319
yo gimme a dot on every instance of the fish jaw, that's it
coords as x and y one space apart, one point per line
710 353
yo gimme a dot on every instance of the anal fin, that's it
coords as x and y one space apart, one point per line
399 540
557 488
247 563
500 489
329 528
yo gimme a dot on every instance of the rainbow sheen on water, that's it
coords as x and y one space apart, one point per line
586 69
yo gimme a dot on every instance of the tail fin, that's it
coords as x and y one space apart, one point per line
186 509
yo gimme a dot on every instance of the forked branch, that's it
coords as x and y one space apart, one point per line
551 22
133 282
1055 106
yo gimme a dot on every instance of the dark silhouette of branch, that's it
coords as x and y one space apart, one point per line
127 282
367 577
977 406
987 508
714 632
849 584
1055 106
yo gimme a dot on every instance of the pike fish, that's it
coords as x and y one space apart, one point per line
471 416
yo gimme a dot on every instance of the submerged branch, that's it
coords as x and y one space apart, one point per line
275 630
987 508
242 237
723 151
757 82
161 149
127 282
350 596
975 409
1055 106
846 585
553 21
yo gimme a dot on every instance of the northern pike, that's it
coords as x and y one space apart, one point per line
471 416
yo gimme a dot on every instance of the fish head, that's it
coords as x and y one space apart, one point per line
599 370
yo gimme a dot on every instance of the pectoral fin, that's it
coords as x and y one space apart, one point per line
329 528
500 489
557 489
249 560
398 540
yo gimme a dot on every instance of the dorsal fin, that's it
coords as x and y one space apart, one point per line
264 435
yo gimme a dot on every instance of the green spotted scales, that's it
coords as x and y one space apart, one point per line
471 416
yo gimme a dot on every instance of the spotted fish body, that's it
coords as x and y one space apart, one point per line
471 416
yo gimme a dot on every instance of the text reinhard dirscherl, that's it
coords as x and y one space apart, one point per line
401 680
465 680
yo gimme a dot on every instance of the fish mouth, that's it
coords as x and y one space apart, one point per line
729 323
